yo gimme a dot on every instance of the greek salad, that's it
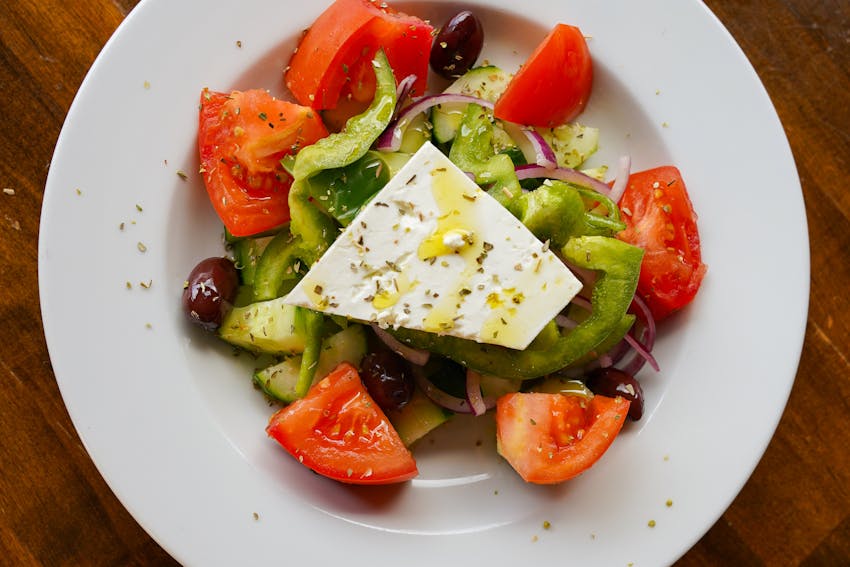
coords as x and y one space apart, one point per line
400 254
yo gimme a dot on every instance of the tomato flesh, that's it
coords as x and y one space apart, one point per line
660 219
553 85
333 59
338 431
550 438
242 137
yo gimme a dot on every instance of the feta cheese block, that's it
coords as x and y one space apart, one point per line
434 252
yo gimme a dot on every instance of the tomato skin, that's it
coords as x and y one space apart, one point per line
334 57
660 219
550 438
553 85
240 155
338 431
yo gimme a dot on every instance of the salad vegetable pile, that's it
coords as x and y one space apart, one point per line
399 255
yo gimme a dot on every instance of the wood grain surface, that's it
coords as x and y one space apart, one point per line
55 509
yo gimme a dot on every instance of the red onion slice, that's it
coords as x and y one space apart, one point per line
544 155
565 322
473 393
439 397
402 92
444 399
646 340
617 353
638 302
390 139
640 345
412 355
582 302
532 145
622 179
562 174
642 352
585 275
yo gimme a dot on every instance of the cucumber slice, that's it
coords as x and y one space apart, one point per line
487 83
597 172
348 345
572 143
415 134
279 381
270 327
419 416
395 160
502 141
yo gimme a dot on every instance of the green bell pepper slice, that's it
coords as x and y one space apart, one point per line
341 192
472 151
557 211
360 132
595 223
315 229
277 265
618 265
552 212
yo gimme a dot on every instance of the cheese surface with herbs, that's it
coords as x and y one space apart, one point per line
433 252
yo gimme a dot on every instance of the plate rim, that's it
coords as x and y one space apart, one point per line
52 340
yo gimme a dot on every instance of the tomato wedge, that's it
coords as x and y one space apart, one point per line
241 138
550 438
553 85
338 431
660 219
334 57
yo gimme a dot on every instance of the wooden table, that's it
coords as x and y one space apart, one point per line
56 509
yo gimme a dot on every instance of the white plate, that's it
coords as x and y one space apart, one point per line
174 425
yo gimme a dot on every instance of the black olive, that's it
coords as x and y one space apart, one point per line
210 291
387 378
457 45
612 382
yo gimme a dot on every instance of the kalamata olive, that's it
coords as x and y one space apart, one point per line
612 382
457 45
209 291
387 378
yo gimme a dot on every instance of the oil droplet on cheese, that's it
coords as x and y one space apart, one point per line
458 220
441 243
453 232
388 297
503 324
313 290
